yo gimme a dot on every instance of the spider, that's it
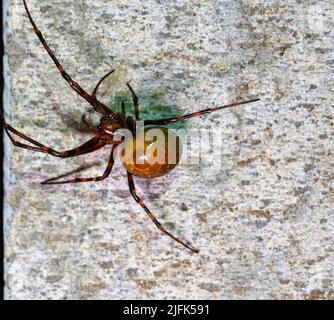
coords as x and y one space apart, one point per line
107 133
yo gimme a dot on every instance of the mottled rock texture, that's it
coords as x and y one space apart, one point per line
261 212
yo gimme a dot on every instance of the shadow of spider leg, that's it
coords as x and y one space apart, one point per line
76 180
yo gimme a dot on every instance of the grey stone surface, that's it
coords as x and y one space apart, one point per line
263 220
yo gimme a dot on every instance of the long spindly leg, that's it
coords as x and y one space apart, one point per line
135 101
83 118
98 106
150 214
75 180
99 83
89 146
194 114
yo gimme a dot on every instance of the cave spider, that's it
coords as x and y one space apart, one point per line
107 133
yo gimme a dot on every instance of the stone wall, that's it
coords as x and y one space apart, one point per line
258 203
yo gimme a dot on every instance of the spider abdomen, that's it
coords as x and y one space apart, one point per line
152 153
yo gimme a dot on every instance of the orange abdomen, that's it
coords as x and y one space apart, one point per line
152 153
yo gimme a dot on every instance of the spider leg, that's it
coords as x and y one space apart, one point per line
123 107
150 214
89 126
194 114
89 146
98 106
75 180
135 101
99 83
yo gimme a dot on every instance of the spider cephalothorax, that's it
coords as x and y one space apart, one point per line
108 129
137 158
